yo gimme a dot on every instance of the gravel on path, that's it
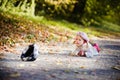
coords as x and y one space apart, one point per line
105 66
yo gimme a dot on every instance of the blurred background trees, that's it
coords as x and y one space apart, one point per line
81 11
85 12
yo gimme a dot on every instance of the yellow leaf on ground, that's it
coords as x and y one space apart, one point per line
82 67
15 74
59 62
117 67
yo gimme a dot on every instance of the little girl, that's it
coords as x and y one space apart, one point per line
84 47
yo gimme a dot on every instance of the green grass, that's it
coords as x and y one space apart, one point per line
101 29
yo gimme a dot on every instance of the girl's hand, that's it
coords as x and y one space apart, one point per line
81 53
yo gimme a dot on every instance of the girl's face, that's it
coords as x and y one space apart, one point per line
79 41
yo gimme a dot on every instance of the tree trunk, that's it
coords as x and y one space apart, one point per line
32 7
4 2
79 7
23 6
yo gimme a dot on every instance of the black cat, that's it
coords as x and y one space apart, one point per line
30 53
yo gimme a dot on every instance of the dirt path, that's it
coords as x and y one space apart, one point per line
105 66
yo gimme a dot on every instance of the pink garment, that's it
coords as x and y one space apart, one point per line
96 47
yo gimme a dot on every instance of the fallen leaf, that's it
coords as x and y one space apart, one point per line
85 73
33 65
22 65
45 70
53 75
82 67
15 74
67 71
117 67
1 55
75 71
59 62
